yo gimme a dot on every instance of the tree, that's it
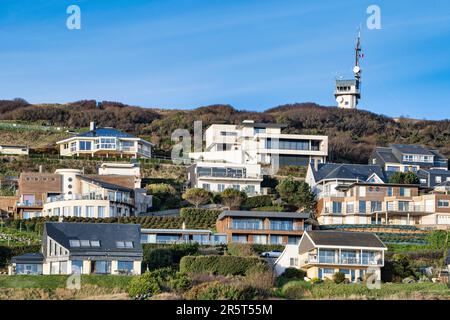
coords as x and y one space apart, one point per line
233 198
298 194
404 178
196 196
164 195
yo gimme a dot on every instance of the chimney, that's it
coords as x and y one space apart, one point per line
92 126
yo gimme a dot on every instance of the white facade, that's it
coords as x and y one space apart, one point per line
255 143
216 177
105 142
14 150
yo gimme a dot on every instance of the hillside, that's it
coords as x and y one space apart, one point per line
353 133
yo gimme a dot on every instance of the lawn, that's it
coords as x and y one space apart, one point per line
330 290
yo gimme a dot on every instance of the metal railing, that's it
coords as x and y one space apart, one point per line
314 259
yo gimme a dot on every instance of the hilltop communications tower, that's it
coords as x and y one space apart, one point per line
348 92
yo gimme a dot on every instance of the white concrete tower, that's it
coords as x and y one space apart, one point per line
348 92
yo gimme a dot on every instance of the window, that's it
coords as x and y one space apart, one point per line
350 207
220 187
95 243
206 186
85 145
89 211
276 239
106 143
405 192
443 203
247 224
362 191
56 211
125 266
101 211
260 239
102 267
375 206
403 206
284 225
239 238
390 191
124 244
73 146
438 179
293 240
66 211
77 266
77 211
293 262
393 169
362 207
327 256
260 130
337 207
74 243
236 187
85 243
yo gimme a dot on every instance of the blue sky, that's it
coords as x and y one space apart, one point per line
252 54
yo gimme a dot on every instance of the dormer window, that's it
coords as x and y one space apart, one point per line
124 244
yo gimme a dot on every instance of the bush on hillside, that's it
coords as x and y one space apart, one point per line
240 249
160 256
257 202
145 285
338 277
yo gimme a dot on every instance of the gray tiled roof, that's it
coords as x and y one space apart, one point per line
264 214
107 233
105 185
28 258
330 171
345 239
411 149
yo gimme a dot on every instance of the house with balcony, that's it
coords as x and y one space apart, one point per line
404 158
216 177
84 248
433 177
261 143
263 227
70 193
325 178
384 203
105 142
323 253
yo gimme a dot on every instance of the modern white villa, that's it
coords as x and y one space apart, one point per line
261 143
105 142
239 155
216 177
323 253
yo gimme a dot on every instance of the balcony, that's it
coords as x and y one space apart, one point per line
89 196
243 226
405 208
28 204
357 261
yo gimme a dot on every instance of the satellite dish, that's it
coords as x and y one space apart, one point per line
356 69
340 99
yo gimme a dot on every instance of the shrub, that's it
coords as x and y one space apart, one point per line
316 280
180 282
297 193
257 202
260 277
338 277
295 290
218 265
240 250
293 273
144 286
217 290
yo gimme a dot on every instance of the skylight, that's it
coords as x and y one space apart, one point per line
74 243
124 244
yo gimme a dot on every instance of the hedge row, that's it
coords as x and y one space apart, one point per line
257 202
152 222
218 265
157 256
6 253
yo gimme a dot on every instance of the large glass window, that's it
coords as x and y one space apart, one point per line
125 266
28 268
337 207
102 267
239 238
260 130
77 266
247 224
375 206
85 145
77 211
167 238
106 143
327 256
348 257
403 205
101 211
89 211
289 144
362 207
286 225
260 239
368 257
